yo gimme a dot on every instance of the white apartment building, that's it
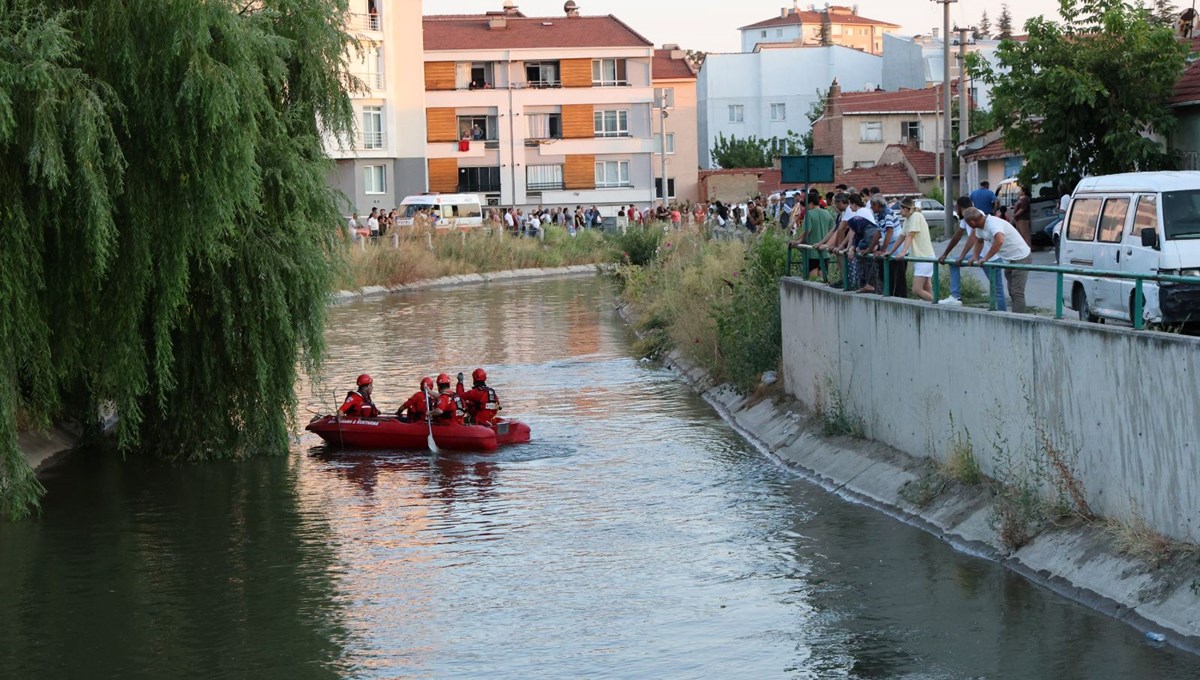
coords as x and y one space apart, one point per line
384 162
768 92
915 62
833 24
551 111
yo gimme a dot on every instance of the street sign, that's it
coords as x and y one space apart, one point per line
806 169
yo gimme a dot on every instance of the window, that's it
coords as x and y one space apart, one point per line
764 34
608 72
1081 223
375 179
670 142
482 179
910 131
610 174
372 127
478 128
658 187
871 132
482 75
542 74
543 177
864 164
611 123
545 126
462 210
1146 216
373 68
737 113
1112 220
1181 214
778 34
778 111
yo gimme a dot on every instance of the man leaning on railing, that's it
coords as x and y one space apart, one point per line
1001 238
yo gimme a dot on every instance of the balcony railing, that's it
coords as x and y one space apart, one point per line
371 140
365 22
544 186
375 81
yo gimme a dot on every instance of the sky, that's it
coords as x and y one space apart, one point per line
711 25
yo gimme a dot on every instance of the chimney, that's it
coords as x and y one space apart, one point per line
854 10
934 33
783 12
510 8
496 23
571 8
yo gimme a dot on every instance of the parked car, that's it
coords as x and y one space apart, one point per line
1136 223
935 215
1043 205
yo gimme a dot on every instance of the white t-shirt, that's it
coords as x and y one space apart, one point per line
508 219
373 225
1012 249
1063 203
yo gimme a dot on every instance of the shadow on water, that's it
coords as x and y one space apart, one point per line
144 569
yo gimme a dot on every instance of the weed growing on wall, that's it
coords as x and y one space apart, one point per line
961 464
834 413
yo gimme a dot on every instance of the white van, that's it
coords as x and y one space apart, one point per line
1136 223
453 211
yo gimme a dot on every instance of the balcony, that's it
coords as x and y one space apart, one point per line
365 22
370 140
544 186
374 81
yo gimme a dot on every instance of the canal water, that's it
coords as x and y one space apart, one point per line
636 537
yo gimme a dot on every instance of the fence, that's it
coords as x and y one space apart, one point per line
1059 271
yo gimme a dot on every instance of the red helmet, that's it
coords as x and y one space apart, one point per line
479 375
364 380
443 379
427 383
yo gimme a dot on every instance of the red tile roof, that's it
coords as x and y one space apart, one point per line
995 149
927 100
1187 88
923 162
666 68
471 32
807 17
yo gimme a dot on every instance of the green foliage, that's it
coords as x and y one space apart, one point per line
639 246
1164 13
1086 96
984 29
752 152
936 194
748 323
1004 23
167 217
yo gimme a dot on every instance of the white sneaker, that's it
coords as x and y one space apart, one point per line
951 301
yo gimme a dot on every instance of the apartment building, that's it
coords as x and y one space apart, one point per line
915 62
539 110
384 162
770 91
829 25
675 79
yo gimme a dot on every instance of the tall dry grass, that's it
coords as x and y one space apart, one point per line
419 257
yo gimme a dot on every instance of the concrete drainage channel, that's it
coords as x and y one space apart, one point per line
1076 562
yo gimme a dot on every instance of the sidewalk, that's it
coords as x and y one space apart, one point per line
1040 290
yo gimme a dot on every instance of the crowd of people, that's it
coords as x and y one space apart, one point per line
861 227
434 401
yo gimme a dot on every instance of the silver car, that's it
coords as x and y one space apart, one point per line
935 215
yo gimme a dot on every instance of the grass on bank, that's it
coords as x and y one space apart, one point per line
381 264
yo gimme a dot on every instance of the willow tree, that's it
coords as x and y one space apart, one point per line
167 219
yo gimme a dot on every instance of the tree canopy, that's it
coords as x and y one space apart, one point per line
1004 23
1087 95
753 152
168 225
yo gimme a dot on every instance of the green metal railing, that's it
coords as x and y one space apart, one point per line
992 269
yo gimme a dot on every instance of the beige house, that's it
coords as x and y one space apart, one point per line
830 25
857 127
675 78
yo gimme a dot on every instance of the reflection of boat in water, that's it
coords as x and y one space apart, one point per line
388 432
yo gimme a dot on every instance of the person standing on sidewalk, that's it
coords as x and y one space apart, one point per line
993 236
917 243
1021 218
955 297
984 199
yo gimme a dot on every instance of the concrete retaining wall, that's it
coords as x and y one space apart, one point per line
917 375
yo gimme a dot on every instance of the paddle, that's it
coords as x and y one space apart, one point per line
429 420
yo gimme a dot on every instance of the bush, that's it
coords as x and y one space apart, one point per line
640 245
748 323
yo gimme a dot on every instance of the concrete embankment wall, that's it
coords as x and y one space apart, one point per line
1125 404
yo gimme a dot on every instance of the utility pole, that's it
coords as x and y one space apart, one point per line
947 129
964 102
663 103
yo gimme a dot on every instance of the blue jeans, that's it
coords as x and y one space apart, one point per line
996 278
955 282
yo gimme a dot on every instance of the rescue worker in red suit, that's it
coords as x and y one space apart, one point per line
358 404
417 405
448 408
481 401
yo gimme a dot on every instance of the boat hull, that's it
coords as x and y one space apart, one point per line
392 433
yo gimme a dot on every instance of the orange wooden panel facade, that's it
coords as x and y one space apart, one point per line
442 125
578 121
576 72
440 75
579 172
443 175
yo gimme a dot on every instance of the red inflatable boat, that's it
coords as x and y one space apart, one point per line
389 432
